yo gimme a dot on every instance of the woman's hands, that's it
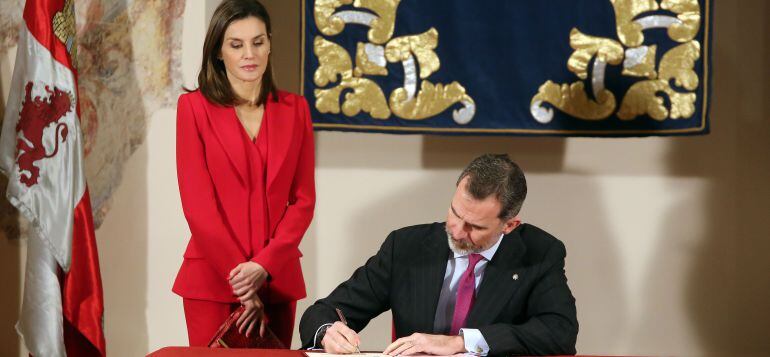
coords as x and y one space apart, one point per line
245 279
252 316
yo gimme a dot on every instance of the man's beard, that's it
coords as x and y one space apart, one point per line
462 247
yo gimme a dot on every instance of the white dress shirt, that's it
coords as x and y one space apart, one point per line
455 267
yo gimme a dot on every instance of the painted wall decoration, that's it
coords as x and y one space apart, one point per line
557 67
128 61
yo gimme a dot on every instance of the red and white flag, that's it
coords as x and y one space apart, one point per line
41 152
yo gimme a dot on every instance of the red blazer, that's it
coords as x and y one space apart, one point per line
212 169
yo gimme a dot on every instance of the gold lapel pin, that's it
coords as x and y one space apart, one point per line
515 276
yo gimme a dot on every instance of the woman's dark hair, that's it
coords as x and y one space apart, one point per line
212 78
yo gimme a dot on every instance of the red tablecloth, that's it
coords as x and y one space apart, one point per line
232 352
227 352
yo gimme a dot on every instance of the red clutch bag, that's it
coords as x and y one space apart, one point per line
228 336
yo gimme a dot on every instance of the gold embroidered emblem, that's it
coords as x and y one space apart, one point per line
416 53
654 96
64 28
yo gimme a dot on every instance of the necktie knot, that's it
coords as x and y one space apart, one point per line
473 259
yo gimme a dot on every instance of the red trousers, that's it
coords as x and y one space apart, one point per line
204 318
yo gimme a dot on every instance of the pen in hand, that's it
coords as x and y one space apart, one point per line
345 322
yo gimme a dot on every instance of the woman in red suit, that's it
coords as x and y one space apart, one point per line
245 163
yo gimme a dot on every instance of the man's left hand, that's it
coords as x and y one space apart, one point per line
425 343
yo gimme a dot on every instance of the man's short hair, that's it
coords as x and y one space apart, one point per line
497 174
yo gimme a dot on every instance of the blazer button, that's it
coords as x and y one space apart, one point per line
515 276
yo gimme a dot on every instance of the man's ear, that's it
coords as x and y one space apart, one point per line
511 224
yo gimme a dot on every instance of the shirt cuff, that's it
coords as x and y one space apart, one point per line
475 343
319 333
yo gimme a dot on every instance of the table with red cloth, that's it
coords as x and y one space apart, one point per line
229 352
224 352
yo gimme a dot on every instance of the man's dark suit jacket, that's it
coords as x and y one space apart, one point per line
523 305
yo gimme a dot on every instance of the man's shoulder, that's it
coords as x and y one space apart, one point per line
411 237
530 231
419 231
409 245
537 241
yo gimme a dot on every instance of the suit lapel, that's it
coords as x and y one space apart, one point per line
430 278
280 127
498 285
228 131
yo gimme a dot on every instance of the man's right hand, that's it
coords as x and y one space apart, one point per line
340 339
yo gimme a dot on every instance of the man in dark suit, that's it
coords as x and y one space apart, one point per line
481 283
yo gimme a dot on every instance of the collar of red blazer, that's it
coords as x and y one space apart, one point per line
281 127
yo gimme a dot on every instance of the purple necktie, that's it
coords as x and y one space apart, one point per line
465 295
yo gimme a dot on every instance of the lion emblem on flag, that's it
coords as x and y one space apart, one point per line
36 115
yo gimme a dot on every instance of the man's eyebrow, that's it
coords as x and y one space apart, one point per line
458 216
454 211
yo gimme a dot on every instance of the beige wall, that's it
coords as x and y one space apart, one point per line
667 238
